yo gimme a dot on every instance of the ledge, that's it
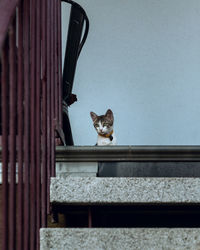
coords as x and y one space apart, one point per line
120 238
127 153
94 190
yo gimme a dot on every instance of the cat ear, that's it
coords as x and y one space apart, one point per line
109 114
93 116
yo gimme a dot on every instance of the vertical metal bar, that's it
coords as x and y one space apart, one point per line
56 99
32 125
12 136
26 125
38 119
48 100
56 70
5 127
44 114
89 217
20 130
53 82
59 65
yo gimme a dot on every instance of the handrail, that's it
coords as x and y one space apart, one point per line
128 153
7 11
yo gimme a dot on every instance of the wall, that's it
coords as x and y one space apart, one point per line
142 60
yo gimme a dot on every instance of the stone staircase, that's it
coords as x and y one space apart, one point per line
137 208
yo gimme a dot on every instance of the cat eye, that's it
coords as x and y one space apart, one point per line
106 125
96 125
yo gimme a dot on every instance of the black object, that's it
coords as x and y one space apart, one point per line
74 46
148 169
129 216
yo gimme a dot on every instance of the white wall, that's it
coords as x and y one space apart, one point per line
142 60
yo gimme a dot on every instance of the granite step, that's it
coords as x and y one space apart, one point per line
102 191
120 238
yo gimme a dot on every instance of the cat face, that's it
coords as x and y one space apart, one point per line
103 123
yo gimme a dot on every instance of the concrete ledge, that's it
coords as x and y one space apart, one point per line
81 169
127 153
93 190
120 238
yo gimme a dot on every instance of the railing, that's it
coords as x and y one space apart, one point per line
30 44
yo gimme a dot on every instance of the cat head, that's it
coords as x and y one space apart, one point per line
103 123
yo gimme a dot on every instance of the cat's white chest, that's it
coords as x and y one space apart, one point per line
103 141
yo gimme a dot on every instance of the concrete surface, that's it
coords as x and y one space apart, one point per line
94 190
83 169
120 239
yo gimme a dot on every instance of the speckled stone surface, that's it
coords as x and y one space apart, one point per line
94 190
120 238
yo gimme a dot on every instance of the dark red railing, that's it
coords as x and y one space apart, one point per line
30 49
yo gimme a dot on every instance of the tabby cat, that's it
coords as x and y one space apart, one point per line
104 127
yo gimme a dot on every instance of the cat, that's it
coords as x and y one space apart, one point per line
104 127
